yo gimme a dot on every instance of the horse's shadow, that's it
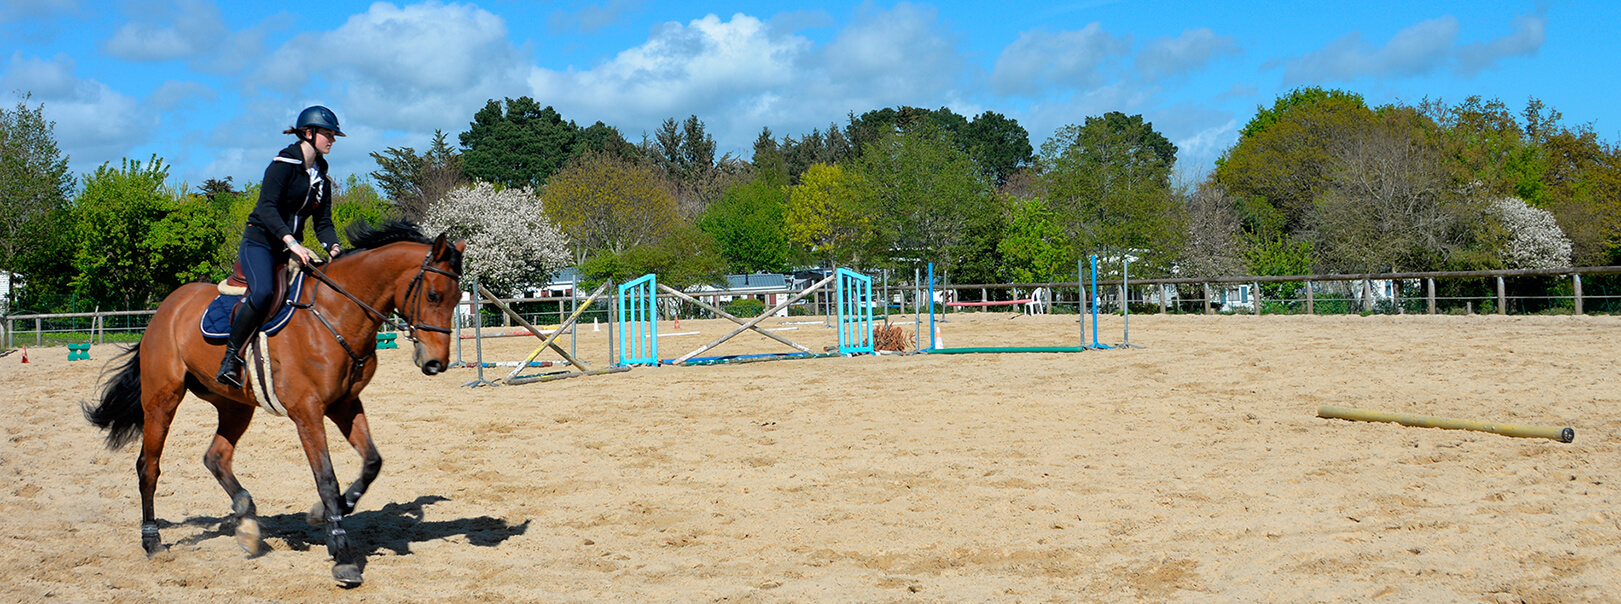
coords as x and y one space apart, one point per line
394 528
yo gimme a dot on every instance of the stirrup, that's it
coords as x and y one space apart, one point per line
230 373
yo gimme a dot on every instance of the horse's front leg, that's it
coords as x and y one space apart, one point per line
350 417
312 433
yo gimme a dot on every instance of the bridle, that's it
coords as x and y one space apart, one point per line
415 292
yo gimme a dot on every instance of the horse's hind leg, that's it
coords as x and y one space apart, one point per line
159 405
234 420
350 417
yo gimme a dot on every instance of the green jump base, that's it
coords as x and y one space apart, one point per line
993 349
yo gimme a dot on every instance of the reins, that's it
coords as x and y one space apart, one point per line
410 327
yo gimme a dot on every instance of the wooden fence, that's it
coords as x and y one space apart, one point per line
1309 294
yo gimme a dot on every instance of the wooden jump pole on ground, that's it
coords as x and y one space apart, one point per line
1564 435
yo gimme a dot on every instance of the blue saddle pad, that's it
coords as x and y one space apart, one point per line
216 321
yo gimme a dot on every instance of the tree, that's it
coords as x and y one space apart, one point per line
510 243
34 187
747 225
828 216
1533 236
355 200
686 154
685 257
138 239
1215 232
1282 155
601 202
1109 183
999 145
1389 203
829 148
517 143
1034 248
922 189
414 182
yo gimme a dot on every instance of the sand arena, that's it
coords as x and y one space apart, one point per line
1193 469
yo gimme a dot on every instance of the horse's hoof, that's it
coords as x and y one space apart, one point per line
151 542
317 515
348 575
247 536
155 550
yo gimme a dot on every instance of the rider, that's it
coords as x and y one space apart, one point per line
296 187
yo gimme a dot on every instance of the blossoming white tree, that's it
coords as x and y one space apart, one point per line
1534 239
510 243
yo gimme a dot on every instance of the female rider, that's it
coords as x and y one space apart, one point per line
296 187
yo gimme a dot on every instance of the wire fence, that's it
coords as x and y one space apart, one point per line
1587 290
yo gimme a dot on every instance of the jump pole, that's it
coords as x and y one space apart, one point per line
1563 435
726 315
549 341
478 325
1095 343
750 325
1125 303
930 301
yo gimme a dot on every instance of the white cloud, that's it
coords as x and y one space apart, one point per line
18 10
95 122
902 56
1189 52
1041 61
416 68
1530 32
1416 50
704 67
183 30
177 94
592 17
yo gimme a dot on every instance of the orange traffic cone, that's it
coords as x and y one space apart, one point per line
678 323
25 354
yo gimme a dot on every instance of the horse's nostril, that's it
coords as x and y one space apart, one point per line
433 367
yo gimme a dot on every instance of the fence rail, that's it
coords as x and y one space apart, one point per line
1536 290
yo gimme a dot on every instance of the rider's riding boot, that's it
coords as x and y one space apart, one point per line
243 325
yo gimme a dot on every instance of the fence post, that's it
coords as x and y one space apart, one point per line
1430 285
1206 297
1255 297
1162 296
1502 299
1576 285
1395 296
1310 303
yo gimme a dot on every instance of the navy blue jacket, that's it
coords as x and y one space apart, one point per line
287 200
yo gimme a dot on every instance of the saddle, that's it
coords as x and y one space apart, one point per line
216 319
237 285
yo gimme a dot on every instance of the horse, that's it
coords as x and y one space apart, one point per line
321 361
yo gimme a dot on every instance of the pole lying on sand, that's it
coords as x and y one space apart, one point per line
1564 435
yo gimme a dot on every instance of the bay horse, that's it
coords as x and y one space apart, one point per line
321 361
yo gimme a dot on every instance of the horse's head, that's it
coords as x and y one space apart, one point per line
429 303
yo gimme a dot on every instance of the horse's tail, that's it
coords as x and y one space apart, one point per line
120 411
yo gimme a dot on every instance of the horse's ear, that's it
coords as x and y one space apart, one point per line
441 248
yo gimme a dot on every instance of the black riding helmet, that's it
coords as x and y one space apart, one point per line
318 117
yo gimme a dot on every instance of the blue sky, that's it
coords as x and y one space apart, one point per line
208 85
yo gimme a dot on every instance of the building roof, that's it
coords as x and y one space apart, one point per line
756 281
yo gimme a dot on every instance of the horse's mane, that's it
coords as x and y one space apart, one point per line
365 236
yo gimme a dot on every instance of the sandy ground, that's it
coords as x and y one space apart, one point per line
1193 469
